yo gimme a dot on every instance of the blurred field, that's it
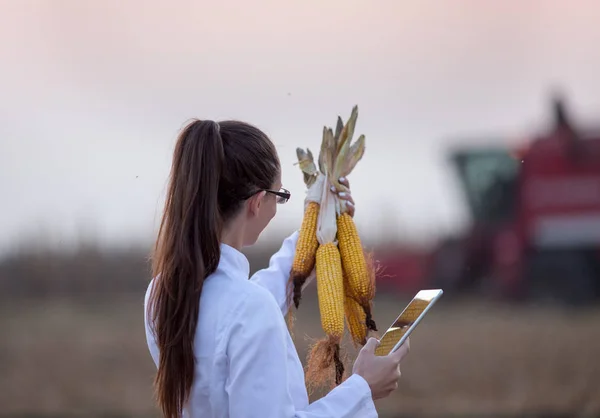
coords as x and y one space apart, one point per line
85 355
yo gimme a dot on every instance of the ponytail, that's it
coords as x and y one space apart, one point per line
187 251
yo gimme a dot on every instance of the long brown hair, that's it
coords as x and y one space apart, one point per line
215 167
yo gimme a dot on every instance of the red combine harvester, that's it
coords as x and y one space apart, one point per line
535 230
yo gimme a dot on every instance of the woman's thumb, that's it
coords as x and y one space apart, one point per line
371 345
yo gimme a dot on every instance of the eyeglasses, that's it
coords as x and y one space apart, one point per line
283 195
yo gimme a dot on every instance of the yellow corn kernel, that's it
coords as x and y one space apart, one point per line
330 289
356 319
353 259
306 248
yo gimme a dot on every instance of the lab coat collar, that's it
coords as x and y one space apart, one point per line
234 261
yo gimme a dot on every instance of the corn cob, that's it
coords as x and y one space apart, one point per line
355 266
330 292
306 247
356 320
353 258
330 289
306 250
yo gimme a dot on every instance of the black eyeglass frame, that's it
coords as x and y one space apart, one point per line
283 194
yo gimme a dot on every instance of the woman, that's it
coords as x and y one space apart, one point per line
219 340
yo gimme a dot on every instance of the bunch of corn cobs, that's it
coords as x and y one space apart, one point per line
329 243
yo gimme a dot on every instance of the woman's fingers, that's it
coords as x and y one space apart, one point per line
350 208
344 181
402 352
346 195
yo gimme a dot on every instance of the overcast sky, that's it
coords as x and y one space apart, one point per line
93 94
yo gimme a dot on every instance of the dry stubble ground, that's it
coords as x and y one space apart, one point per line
61 358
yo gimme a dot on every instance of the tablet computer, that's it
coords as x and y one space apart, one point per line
407 321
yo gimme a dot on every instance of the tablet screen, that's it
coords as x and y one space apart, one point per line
407 320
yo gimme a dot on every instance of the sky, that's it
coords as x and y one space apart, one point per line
93 94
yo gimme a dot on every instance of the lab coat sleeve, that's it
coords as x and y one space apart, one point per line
275 277
150 340
257 385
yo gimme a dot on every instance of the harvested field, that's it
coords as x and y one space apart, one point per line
75 358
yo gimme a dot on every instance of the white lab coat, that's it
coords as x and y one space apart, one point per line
246 362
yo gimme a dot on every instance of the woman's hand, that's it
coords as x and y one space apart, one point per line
380 372
345 195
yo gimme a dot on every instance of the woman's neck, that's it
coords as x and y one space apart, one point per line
233 233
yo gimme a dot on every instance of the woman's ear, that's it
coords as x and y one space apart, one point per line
254 203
